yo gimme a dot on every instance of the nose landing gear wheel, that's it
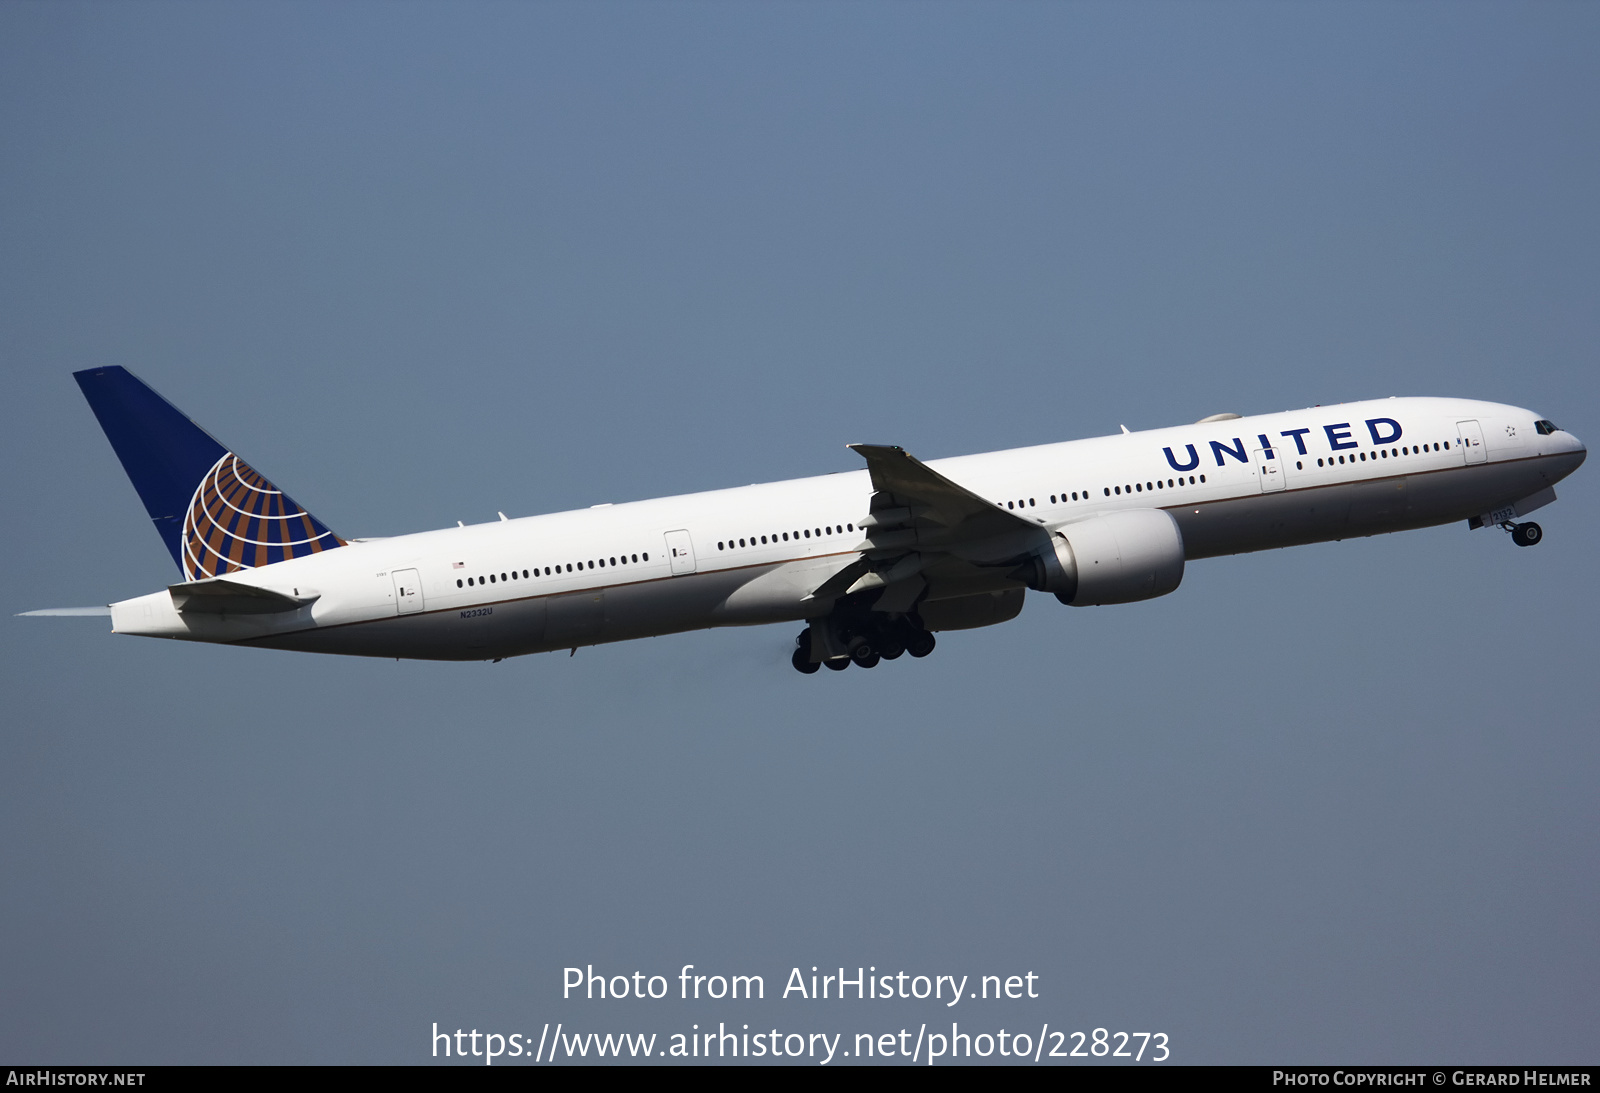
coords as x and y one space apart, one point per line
1527 534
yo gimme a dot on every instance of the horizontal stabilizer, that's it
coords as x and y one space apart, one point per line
219 596
102 612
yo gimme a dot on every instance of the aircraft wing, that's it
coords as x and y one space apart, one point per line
927 533
916 507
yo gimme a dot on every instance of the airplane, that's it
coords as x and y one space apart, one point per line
872 562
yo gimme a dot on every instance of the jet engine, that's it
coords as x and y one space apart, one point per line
1116 558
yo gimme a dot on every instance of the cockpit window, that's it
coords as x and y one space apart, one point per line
1545 428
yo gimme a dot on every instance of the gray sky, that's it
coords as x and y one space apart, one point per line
418 263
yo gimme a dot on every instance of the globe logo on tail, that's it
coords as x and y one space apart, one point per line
239 520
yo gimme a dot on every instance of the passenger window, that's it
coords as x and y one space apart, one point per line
458 582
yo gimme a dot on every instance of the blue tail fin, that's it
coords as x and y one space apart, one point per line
214 511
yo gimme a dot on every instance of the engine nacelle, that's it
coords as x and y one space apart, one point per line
1116 558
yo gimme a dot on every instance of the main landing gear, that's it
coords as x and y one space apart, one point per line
866 644
1529 534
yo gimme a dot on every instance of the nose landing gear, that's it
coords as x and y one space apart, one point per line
1529 534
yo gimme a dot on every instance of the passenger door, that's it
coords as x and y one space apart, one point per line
407 591
1269 470
680 551
1469 437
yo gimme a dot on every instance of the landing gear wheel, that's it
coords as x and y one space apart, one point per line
1527 534
803 663
891 650
921 645
864 655
838 664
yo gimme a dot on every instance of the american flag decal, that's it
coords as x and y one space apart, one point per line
239 520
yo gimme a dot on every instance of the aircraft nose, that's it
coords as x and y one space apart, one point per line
1572 447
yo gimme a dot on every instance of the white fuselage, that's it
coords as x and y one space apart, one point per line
754 554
